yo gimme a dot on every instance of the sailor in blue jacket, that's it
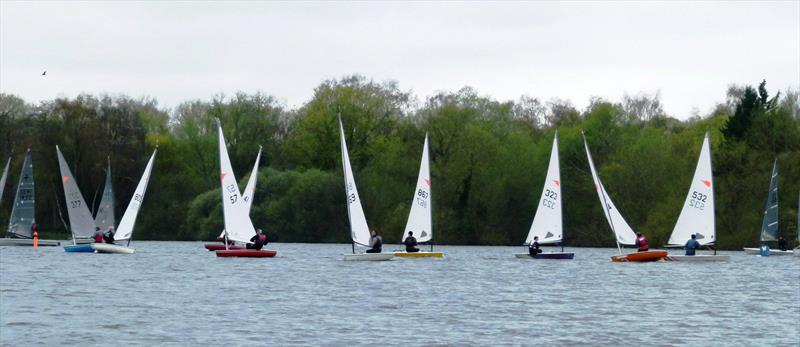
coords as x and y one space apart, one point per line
692 245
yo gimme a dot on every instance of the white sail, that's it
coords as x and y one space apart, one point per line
24 209
125 228
104 217
419 218
81 222
697 215
547 223
359 231
250 189
238 225
3 178
619 226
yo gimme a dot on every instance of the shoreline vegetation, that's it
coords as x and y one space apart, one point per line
488 161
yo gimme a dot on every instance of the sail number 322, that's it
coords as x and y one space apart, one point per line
549 199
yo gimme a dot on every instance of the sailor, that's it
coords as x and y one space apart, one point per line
375 243
641 243
782 243
98 236
533 248
34 228
259 240
691 245
410 243
108 237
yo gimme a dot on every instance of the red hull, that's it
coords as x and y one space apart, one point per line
220 247
640 256
247 253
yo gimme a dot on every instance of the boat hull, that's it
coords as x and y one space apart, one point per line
221 247
369 257
698 258
639 257
757 251
111 248
246 253
28 242
420 254
546 255
81 248
796 252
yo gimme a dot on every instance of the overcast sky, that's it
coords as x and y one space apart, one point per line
178 51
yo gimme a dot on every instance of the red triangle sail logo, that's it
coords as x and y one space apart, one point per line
706 182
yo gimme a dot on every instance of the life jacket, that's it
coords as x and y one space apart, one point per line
98 238
262 238
643 246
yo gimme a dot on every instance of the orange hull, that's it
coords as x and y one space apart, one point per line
640 256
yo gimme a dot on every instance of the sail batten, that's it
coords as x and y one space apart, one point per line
697 214
23 210
623 232
126 224
359 230
769 225
547 222
81 222
419 217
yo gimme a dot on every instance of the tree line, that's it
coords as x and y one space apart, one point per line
488 161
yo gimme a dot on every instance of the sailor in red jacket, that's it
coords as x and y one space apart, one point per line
641 243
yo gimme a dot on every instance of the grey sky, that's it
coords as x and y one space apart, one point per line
179 51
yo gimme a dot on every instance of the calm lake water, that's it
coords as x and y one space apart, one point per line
177 293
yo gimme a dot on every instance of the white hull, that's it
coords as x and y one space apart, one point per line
27 242
796 252
368 256
698 258
109 248
757 251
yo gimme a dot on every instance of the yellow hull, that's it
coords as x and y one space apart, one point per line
419 254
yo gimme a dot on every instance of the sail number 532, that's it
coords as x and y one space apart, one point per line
698 200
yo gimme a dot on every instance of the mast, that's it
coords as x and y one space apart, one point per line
344 173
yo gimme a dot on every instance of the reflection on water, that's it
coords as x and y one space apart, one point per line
176 293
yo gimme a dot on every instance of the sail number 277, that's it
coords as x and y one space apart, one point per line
698 200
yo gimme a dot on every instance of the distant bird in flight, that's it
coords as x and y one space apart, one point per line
44 73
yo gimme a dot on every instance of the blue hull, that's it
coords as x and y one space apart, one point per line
555 256
85 248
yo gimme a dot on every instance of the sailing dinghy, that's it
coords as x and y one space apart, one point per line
769 224
359 231
547 222
697 215
19 231
419 218
247 196
623 233
235 211
125 229
81 224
